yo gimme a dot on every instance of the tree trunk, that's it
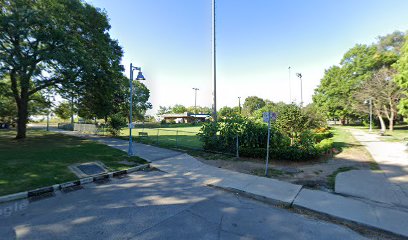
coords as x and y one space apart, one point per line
22 107
383 127
391 124
21 98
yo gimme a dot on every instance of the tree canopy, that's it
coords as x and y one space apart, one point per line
59 44
342 88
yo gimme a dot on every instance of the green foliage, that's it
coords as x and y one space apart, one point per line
57 44
226 112
402 77
115 123
324 145
163 110
63 110
178 108
291 122
336 93
319 136
253 140
252 104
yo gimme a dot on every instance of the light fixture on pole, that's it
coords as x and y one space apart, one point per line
138 77
370 103
299 75
195 103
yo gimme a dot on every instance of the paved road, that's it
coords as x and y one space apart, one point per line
157 205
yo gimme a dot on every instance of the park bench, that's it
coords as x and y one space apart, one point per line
143 134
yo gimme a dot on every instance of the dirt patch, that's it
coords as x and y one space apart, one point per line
316 174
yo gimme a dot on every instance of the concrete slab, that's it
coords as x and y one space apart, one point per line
372 185
349 209
275 190
392 158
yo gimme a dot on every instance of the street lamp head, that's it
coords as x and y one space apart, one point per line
299 75
140 76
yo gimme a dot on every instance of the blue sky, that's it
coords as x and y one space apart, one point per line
257 40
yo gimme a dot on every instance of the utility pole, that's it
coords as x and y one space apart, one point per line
290 88
214 62
301 89
239 104
195 103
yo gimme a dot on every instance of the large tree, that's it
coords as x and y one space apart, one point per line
178 108
384 94
252 104
336 94
402 78
61 44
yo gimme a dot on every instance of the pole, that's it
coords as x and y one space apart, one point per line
48 113
290 89
237 146
195 104
72 109
371 114
299 75
267 146
239 104
48 121
130 150
301 92
214 65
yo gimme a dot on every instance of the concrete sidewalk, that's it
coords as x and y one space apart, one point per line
390 185
358 211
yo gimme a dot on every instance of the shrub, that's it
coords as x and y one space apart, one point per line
324 146
115 123
253 140
319 136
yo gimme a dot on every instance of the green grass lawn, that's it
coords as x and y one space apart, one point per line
343 140
400 133
42 159
183 137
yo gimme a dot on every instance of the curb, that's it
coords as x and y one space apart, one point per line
326 215
62 186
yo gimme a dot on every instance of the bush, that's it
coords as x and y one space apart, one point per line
115 123
324 146
319 136
253 140
292 153
223 135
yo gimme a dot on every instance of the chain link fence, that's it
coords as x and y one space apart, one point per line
162 137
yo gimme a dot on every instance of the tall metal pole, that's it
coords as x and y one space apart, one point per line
371 114
239 104
301 89
195 103
290 88
267 146
214 65
130 150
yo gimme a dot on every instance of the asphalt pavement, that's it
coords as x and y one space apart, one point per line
157 205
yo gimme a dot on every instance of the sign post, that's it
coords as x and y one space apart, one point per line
268 117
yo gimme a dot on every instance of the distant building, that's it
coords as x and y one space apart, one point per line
185 117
